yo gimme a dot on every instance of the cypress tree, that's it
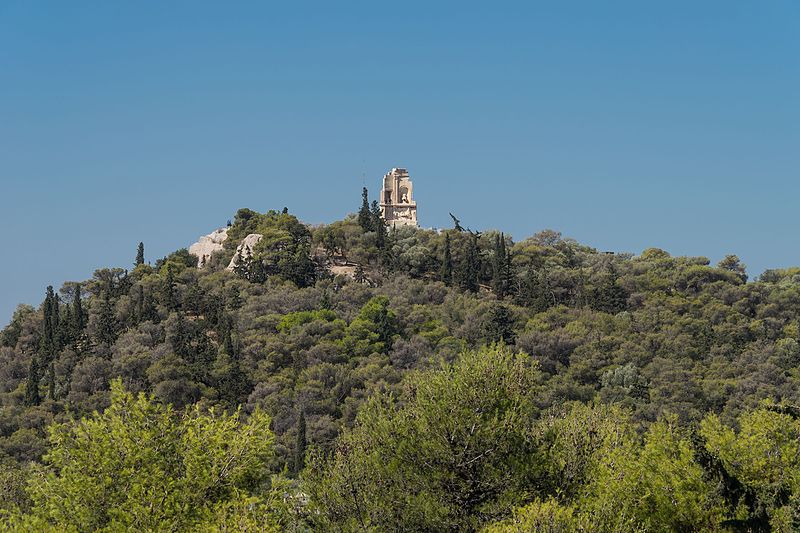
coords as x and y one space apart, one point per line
447 262
508 277
470 266
32 384
498 265
51 381
379 226
78 322
170 293
55 319
47 345
300 443
364 214
107 323
139 255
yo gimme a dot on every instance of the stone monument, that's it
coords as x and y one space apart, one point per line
397 204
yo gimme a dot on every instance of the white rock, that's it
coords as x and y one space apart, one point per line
207 245
245 248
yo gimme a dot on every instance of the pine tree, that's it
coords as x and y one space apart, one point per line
300 443
447 262
32 384
364 214
139 255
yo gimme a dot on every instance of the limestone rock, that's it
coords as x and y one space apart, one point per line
207 245
245 248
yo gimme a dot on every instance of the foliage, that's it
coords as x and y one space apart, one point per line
142 466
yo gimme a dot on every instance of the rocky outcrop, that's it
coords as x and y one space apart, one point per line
207 245
245 249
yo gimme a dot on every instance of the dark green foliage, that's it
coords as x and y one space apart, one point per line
107 322
470 265
365 218
78 315
300 443
331 321
32 383
499 325
446 274
499 263
139 255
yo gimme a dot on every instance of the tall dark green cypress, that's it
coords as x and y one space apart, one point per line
32 384
139 255
170 291
447 262
509 278
78 322
498 265
51 381
470 266
107 323
300 443
379 226
364 214
55 319
48 343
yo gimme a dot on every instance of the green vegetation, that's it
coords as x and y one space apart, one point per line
353 377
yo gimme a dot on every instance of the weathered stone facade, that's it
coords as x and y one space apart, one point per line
397 204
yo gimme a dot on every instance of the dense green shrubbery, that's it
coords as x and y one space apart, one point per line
673 356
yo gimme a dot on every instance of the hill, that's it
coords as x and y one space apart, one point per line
386 361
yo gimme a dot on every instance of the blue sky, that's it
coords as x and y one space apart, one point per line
622 124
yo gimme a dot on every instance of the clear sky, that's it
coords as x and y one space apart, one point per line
622 124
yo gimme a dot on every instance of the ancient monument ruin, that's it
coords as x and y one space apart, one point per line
397 205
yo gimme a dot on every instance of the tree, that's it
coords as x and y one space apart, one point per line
365 218
32 383
732 263
469 267
453 453
300 443
446 273
48 344
169 290
78 317
499 325
498 266
142 466
51 381
139 255
107 322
